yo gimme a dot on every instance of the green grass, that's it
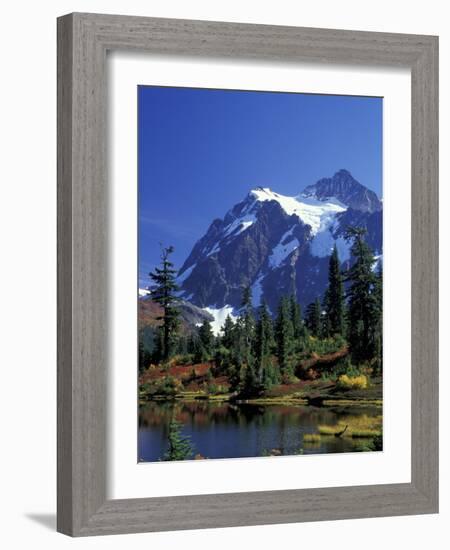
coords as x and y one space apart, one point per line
285 400
357 427
356 401
219 397
365 433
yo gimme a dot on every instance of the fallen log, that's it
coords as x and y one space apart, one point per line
322 361
341 433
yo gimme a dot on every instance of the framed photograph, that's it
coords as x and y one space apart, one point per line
247 274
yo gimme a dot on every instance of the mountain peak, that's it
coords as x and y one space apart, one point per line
343 173
259 192
344 187
278 244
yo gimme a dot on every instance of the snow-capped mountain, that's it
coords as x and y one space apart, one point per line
279 245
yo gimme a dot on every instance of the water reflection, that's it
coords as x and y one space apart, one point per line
224 430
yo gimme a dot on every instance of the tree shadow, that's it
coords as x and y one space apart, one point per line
46 520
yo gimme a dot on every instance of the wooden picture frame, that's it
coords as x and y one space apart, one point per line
83 41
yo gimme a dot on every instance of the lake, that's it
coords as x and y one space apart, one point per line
225 430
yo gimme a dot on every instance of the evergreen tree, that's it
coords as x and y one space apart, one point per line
225 351
193 343
164 293
263 345
206 338
237 369
180 447
314 318
363 307
247 326
144 357
298 326
227 333
196 349
334 299
376 332
284 336
296 317
223 361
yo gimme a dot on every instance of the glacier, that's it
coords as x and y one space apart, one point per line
310 211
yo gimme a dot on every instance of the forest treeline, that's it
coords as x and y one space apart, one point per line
257 350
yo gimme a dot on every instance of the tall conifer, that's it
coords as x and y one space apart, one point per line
164 293
227 333
296 318
334 299
284 335
376 332
247 326
363 313
180 448
263 343
314 318
206 337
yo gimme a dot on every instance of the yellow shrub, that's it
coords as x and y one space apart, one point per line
346 382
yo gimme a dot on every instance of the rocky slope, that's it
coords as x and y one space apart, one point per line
279 245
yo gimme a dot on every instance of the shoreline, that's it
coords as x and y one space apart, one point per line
288 400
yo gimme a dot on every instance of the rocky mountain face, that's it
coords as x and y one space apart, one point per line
346 189
279 245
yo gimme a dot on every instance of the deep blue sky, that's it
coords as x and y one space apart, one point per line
201 151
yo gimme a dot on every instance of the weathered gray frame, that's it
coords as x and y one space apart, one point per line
83 40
